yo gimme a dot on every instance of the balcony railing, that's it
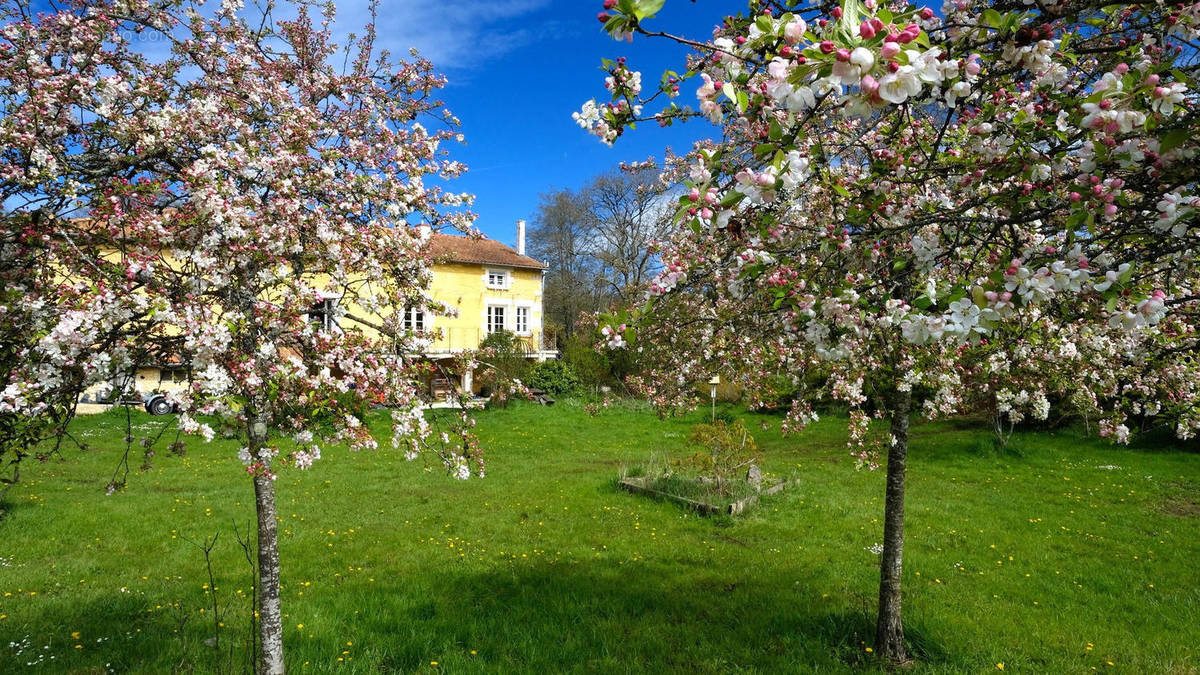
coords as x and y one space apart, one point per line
453 340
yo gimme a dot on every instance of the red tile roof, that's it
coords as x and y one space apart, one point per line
481 251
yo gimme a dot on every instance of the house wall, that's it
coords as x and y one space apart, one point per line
464 287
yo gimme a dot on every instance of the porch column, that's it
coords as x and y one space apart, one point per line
467 378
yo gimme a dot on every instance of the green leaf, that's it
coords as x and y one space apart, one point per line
743 101
776 132
841 191
732 198
993 18
729 91
977 295
648 8
764 23
850 11
1172 140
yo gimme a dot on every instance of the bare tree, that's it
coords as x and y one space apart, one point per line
597 241
561 235
629 211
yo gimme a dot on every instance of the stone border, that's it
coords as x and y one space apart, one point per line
640 485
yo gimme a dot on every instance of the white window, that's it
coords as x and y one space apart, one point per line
322 316
521 320
414 319
172 375
497 279
495 319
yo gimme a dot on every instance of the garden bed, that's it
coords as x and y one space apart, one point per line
701 495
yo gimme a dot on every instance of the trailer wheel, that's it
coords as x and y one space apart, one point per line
159 405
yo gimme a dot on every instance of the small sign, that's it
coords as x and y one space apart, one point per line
716 379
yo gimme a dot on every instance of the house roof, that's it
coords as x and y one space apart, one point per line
480 251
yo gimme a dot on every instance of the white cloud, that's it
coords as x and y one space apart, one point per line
456 35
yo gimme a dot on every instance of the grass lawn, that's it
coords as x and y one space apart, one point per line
1067 556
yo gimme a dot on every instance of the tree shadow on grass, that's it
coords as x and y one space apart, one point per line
117 633
7 508
1163 439
598 615
603 615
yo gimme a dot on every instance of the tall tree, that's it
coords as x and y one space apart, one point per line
600 241
561 235
932 208
246 206
629 213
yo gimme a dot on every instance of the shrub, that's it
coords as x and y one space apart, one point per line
502 356
504 352
592 367
724 450
778 391
554 377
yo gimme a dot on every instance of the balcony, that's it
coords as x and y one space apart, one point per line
536 345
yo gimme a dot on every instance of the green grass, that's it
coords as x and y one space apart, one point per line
1060 556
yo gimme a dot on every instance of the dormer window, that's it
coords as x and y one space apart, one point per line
497 279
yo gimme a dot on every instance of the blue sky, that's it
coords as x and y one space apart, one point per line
517 70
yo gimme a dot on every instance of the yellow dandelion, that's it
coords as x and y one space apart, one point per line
1000 666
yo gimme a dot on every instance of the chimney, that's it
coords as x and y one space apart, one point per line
521 237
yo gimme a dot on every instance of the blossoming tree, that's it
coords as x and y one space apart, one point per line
988 203
207 186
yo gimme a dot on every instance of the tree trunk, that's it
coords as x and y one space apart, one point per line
889 631
270 616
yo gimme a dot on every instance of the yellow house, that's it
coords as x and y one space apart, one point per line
492 287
